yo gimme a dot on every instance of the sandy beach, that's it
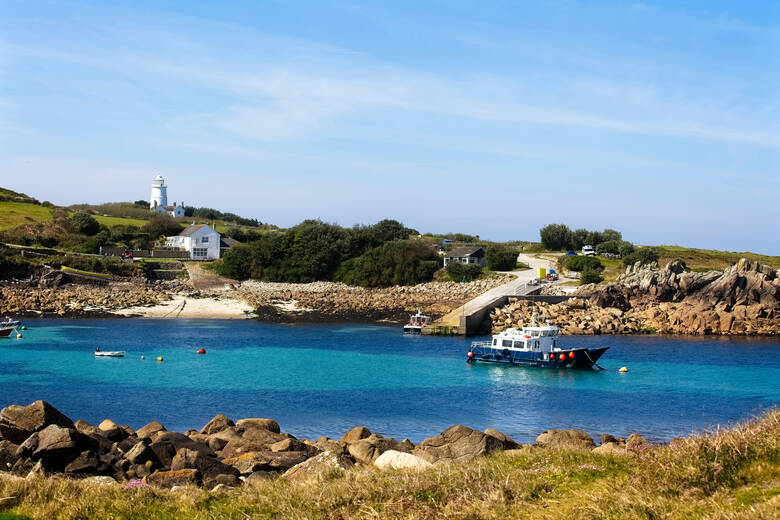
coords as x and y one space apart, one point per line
189 307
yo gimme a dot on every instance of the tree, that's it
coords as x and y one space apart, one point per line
610 246
463 272
590 276
579 238
161 225
610 234
555 236
387 230
141 203
399 262
85 223
501 259
625 248
643 255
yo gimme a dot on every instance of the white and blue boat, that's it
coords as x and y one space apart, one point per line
534 346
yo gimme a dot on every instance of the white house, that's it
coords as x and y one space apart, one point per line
202 242
466 255
158 200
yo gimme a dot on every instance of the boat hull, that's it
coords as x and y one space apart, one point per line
576 358
5 332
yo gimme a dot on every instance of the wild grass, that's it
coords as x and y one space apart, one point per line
706 259
14 214
729 474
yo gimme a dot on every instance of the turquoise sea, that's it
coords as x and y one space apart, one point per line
324 379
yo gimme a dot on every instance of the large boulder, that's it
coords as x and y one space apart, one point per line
217 441
392 459
7 455
140 453
369 449
507 442
217 424
168 479
318 465
355 434
267 424
254 433
86 463
19 422
58 446
251 461
147 431
457 443
565 439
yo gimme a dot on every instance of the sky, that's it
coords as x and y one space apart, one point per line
494 118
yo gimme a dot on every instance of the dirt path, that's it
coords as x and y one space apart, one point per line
203 280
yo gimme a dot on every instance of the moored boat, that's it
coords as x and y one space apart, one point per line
416 323
535 346
7 326
109 353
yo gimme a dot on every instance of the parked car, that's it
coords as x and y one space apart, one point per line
588 251
571 253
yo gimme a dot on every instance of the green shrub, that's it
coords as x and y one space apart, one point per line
612 246
85 223
589 275
625 248
643 255
161 226
463 272
399 262
501 259
580 263
555 236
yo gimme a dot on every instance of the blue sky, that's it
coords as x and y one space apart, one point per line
493 118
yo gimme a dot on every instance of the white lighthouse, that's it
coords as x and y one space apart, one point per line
159 197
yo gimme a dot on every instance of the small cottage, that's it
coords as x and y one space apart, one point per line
202 242
174 211
474 255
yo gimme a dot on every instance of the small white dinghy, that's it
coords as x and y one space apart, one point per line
109 353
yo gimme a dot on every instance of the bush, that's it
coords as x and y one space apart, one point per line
501 259
612 246
463 272
643 255
590 276
580 263
85 223
400 262
625 248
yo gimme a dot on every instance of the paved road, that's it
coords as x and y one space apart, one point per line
516 286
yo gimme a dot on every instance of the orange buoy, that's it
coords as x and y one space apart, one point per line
571 355
562 357
202 351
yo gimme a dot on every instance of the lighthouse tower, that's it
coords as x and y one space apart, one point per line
159 193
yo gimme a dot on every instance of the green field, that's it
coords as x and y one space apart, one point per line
14 214
699 259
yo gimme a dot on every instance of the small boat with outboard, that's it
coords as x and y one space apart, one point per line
416 323
7 326
534 346
109 353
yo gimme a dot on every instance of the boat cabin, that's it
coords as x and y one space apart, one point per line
537 339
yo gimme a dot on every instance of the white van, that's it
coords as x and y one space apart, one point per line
588 251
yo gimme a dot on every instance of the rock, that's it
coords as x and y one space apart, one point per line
87 463
201 459
293 445
267 424
605 438
254 433
225 480
368 449
507 442
18 422
86 428
140 453
217 441
217 424
164 452
7 454
259 476
355 434
57 446
108 425
169 479
332 445
146 432
392 459
611 448
565 439
636 442
457 443
317 465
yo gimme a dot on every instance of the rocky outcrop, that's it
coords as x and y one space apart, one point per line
318 465
457 443
743 299
76 300
577 439
18 422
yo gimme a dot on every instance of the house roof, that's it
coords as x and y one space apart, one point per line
189 230
228 242
466 251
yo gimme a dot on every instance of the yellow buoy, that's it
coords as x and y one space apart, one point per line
159 358
623 369
19 336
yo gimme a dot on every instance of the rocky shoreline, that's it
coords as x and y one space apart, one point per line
39 440
742 300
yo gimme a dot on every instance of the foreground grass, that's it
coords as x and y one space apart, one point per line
14 214
733 474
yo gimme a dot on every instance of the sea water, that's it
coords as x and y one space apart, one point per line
325 379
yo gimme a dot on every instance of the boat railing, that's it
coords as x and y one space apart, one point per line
481 344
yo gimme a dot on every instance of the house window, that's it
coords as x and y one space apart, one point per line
199 251
204 240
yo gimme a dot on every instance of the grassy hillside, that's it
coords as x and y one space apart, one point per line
733 474
700 259
14 214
